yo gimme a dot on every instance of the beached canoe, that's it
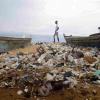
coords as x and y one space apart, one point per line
92 40
9 43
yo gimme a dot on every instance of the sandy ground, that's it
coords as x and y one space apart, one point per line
67 94
31 49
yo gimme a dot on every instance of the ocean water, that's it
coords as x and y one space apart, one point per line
45 38
35 38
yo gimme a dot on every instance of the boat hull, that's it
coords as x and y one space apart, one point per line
9 43
90 41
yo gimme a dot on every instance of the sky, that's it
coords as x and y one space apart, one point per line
75 17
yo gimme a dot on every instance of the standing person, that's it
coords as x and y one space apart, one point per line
56 31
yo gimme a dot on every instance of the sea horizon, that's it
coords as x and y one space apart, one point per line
45 38
35 37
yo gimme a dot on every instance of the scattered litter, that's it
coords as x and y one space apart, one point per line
52 67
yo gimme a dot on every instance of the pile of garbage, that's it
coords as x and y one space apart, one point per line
52 67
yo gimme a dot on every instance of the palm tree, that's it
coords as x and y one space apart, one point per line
99 29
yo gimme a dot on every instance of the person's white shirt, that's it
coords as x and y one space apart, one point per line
57 28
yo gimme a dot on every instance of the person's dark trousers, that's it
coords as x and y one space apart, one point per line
56 35
54 38
58 38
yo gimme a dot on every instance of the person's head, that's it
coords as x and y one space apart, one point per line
56 22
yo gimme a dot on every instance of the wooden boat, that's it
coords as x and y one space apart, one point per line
90 41
9 43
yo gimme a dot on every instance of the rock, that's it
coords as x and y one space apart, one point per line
15 65
49 86
49 77
50 63
88 54
43 91
66 82
44 58
59 57
3 71
70 58
58 77
13 58
94 92
19 53
67 74
19 92
26 92
73 82
98 82
90 60
78 54
75 73
38 99
57 85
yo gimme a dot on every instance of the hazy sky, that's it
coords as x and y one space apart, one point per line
77 17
